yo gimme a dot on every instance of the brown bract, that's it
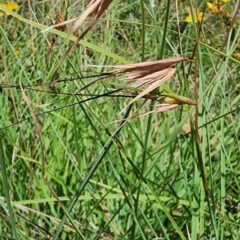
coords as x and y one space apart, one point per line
151 74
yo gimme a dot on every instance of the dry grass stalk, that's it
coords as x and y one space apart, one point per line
58 20
96 8
164 107
151 74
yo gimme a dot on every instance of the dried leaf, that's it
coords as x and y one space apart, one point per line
96 8
186 128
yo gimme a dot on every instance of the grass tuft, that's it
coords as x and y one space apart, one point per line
74 165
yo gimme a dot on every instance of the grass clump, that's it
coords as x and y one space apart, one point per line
72 167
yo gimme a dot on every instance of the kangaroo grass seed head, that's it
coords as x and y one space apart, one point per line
140 79
146 73
168 104
152 66
151 74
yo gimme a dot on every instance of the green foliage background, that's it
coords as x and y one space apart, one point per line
76 180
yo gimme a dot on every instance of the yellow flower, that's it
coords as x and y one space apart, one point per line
237 56
212 7
225 1
17 51
38 88
198 17
10 6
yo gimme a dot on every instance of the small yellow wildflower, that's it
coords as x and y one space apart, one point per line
17 51
237 56
38 88
198 17
212 7
10 6
225 1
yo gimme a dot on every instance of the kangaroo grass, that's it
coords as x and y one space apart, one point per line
162 176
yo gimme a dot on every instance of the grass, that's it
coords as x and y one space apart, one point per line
69 171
